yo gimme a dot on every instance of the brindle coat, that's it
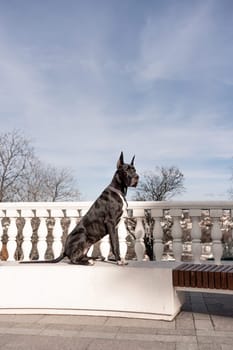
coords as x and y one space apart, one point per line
102 218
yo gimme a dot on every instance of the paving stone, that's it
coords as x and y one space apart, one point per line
129 345
176 331
184 315
215 340
142 323
23 342
97 335
18 330
201 316
203 324
182 346
226 347
222 323
61 326
209 347
20 318
158 337
185 323
80 320
107 329
214 333
60 333
143 330
139 337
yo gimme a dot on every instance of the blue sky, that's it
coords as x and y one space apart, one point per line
86 79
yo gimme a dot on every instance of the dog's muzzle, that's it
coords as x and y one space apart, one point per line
134 181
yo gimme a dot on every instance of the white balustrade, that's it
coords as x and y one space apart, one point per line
158 246
27 214
196 234
12 233
42 232
72 211
216 234
139 234
176 233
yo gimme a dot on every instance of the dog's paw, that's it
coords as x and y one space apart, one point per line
91 262
122 262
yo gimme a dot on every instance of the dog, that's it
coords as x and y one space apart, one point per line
101 219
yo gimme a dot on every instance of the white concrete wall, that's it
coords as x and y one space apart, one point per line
141 289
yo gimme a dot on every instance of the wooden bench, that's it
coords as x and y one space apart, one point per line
203 277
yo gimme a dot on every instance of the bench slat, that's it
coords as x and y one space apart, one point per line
203 276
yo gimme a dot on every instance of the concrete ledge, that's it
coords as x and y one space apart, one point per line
140 290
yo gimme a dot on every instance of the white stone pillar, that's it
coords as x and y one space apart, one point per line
177 233
12 233
216 235
105 247
195 214
139 234
27 214
122 234
57 214
42 214
72 214
158 246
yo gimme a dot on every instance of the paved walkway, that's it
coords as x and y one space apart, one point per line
205 323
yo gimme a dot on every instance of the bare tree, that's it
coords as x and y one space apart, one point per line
15 152
23 177
60 185
163 184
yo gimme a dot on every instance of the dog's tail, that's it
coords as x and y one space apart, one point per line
53 261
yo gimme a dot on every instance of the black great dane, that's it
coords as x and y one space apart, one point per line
101 219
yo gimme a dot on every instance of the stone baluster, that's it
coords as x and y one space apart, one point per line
42 214
177 233
122 234
139 234
27 233
57 214
72 214
195 214
105 247
216 235
158 246
12 233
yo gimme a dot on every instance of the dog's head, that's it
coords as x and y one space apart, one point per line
127 172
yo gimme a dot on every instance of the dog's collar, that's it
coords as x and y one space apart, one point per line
119 193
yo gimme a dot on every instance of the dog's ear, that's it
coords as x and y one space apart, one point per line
132 161
120 160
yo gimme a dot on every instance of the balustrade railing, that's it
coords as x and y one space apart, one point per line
149 230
